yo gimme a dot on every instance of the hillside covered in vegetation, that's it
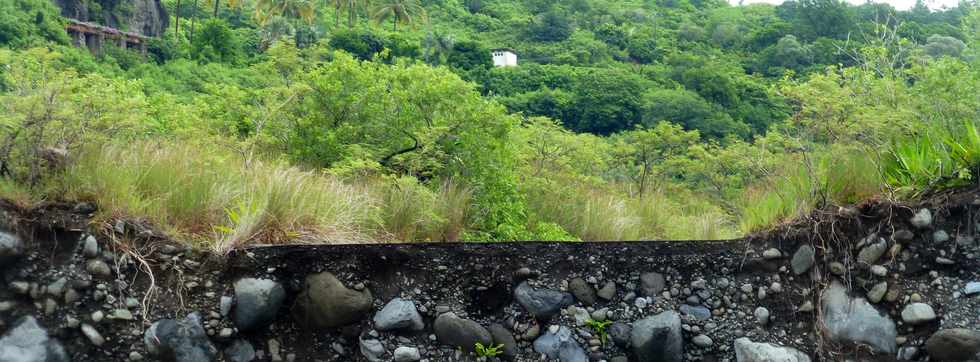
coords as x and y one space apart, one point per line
364 121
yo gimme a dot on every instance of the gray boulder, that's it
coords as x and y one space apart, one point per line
398 314
608 291
372 350
954 345
972 288
326 303
907 353
180 341
98 268
90 247
803 259
854 320
460 333
258 302
542 303
871 253
918 313
406 354
651 284
877 292
28 342
240 351
560 345
748 351
922 219
697 312
582 291
620 333
501 336
10 246
658 338
903 235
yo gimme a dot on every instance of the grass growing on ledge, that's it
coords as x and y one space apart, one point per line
595 213
15 192
214 200
839 177
210 197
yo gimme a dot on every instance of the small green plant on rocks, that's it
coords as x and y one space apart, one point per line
488 351
599 328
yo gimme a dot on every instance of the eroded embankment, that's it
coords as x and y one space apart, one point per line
125 293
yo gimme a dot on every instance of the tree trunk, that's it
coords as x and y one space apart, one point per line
177 23
216 4
351 14
394 24
193 17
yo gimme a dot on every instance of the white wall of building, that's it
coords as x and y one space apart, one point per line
504 58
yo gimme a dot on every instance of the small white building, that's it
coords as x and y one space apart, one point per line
504 57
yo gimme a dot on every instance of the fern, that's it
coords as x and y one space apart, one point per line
599 328
488 351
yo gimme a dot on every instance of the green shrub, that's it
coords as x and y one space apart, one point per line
363 44
938 157
215 41
26 23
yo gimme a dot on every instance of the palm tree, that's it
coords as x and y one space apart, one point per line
193 17
177 23
352 7
302 9
437 46
338 5
400 11
217 3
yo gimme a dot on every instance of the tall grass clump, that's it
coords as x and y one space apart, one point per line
593 213
207 196
169 185
279 204
413 211
16 192
838 176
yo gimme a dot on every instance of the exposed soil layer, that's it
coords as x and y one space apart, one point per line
719 287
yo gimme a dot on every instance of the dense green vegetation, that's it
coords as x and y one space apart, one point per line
275 120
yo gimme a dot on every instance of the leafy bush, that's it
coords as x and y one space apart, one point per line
25 23
941 157
551 26
48 109
363 44
216 42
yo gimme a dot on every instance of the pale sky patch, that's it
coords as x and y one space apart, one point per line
898 4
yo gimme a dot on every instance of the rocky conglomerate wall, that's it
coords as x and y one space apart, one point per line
146 17
878 282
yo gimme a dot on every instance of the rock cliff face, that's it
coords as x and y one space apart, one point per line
877 282
147 17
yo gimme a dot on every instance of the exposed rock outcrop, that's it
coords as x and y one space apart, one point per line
748 351
28 342
326 303
854 320
147 17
